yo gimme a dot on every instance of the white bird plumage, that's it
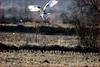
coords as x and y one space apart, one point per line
43 13
33 8
50 4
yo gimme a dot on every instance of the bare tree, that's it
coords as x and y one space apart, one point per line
93 3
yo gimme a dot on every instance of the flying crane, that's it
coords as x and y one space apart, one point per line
42 10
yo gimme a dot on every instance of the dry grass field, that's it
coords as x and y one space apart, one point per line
52 58
19 39
46 58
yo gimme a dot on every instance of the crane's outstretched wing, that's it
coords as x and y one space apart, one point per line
50 4
33 8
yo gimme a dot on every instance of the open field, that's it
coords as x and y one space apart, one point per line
63 35
34 24
53 58
19 39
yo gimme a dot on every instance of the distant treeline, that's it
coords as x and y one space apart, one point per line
45 30
83 11
4 47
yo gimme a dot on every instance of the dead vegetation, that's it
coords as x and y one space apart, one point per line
29 58
19 39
